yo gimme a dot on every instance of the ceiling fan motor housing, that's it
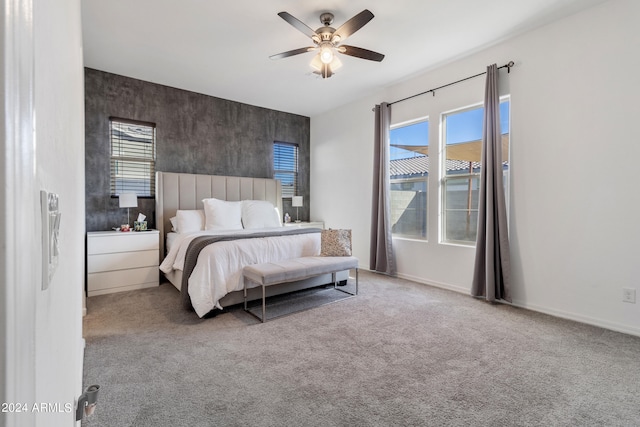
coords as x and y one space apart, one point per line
325 33
326 18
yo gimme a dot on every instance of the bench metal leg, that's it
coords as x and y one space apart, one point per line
264 306
264 297
335 284
245 294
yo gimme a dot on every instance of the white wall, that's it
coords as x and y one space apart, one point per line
59 106
574 147
43 127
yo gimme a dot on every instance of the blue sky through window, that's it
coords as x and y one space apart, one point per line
467 125
462 127
414 134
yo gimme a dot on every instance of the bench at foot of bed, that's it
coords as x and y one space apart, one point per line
274 273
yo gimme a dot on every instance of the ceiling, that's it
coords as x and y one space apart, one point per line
222 48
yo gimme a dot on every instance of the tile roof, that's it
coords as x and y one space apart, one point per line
419 166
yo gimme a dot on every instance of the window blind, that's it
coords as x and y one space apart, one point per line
285 167
133 155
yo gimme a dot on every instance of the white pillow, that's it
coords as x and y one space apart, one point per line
174 223
189 220
259 214
222 215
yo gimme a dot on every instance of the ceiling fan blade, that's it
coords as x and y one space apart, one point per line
292 52
359 52
353 24
298 24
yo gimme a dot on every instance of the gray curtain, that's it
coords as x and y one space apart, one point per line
492 264
381 253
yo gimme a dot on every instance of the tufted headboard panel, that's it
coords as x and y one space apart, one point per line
185 191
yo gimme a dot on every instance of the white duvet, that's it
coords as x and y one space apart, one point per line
219 267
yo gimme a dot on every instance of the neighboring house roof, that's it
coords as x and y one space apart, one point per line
412 167
130 132
459 155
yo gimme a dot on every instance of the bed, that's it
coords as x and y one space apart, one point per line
216 280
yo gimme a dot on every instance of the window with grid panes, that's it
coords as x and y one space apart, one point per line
462 141
285 167
409 178
133 156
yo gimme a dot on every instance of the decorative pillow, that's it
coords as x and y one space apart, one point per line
222 215
189 220
335 243
259 214
174 223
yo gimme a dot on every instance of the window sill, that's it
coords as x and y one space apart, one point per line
460 244
410 239
139 197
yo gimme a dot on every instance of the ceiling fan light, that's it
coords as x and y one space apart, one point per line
316 63
326 54
325 70
320 68
335 64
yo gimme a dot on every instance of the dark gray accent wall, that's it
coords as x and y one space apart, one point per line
195 133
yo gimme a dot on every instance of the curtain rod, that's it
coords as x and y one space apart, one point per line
507 66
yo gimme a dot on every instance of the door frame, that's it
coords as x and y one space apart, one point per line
18 210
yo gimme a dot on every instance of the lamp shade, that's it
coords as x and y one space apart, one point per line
128 200
296 201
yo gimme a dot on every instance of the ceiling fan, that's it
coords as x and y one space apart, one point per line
328 41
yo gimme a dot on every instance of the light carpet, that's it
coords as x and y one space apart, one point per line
398 354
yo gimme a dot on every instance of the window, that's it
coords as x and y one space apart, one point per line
285 167
408 175
133 156
462 140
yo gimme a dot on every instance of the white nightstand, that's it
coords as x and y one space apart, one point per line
121 261
312 224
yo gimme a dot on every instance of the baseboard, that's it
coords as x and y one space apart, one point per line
435 284
552 312
593 321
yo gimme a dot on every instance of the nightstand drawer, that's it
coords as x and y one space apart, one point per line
118 261
111 281
123 242
121 261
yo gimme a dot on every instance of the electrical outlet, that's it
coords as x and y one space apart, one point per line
629 295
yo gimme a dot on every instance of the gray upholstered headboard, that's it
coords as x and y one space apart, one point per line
185 191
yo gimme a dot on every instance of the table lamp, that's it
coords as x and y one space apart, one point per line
296 202
128 200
